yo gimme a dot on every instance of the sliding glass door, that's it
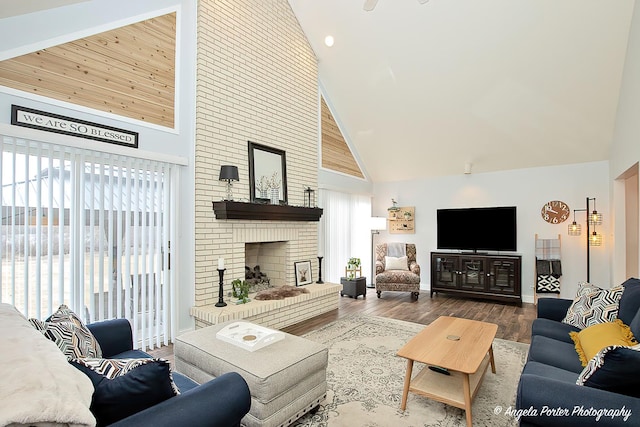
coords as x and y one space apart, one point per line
87 229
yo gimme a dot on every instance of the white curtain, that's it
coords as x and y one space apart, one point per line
344 232
91 230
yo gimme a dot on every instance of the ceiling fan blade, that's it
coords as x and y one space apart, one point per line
369 5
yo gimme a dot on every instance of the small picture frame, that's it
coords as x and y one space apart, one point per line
303 272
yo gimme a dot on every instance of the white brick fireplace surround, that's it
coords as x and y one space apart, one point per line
298 238
256 83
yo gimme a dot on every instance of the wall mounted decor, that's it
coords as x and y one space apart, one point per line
402 220
555 212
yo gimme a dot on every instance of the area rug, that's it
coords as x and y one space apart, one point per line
365 379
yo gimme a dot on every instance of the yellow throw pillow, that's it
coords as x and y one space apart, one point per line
591 340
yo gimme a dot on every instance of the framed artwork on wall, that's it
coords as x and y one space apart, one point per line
267 174
303 272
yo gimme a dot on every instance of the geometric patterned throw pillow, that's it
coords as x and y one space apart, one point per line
71 336
593 305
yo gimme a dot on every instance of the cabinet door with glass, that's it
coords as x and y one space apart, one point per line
445 271
472 273
503 276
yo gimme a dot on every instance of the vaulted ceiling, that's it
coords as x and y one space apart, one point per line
422 89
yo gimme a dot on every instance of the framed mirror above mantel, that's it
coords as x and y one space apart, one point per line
226 209
267 174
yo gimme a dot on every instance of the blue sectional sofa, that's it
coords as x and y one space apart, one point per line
547 391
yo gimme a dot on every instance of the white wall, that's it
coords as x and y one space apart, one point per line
625 150
26 33
528 190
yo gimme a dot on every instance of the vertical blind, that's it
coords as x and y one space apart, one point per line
91 230
347 216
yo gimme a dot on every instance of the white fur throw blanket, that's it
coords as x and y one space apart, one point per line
38 387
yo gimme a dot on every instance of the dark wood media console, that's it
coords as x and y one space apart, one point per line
494 277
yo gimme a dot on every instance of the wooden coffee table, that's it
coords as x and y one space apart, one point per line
462 346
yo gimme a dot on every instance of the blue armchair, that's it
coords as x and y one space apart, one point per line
221 402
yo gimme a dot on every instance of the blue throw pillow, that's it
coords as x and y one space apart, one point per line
615 368
630 302
124 387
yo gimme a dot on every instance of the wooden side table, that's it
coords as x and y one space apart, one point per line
354 287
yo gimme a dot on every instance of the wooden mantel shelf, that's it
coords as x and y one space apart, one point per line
258 211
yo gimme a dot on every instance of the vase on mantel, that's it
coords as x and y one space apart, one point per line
264 194
275 196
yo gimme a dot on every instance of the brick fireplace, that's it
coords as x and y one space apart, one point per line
280 244
270 102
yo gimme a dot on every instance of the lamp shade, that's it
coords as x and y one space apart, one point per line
574 229
229 173
595 218
595 239
378 223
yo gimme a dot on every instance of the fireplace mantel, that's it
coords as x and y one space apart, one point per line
257 211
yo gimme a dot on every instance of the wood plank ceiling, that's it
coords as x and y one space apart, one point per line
128 71
336 154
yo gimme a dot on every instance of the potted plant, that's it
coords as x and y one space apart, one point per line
407 215
353 265
241 291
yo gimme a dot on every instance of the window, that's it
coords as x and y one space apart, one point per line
87 229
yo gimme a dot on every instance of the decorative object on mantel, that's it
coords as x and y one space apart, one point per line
280 292
240 290
267 174
221 270
229 173
320 270
353 269
302 270
269 188
402 220
259 211
309 198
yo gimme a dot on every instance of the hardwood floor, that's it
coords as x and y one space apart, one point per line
514 323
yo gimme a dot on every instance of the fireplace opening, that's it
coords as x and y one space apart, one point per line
265 264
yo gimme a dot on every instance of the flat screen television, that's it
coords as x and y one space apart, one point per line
478 229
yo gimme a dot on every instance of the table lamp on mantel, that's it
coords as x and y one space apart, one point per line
229 174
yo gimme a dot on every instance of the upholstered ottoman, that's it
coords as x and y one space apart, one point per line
286 378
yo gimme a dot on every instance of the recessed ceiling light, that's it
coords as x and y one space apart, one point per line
328 41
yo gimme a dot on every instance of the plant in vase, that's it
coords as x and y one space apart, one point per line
274 185
240 290
352 266
263 186
407 215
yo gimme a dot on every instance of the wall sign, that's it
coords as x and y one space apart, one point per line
34 119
